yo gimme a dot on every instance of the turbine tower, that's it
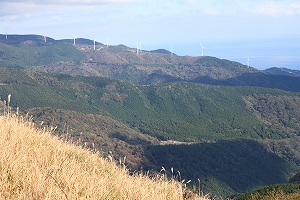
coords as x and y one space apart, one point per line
74 42
137 48
140 47
248 62
202 48
171 50
107 42
6 34
94 45
45 38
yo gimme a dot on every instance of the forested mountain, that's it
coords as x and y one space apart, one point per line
224 118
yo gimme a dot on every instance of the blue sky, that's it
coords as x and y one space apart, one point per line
266 31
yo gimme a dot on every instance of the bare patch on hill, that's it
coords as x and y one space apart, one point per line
120 98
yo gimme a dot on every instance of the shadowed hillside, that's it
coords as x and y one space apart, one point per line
234 166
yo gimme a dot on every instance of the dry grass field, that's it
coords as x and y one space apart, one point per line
36 165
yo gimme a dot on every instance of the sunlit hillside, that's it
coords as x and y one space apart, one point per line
36 165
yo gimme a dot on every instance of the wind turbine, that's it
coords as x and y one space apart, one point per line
107 42
140 47
202 48
94 45
171 50
137 48
248 62
45 38
6 34
74 40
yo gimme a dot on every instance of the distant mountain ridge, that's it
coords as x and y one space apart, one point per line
123 58
124 63
283 71
40 40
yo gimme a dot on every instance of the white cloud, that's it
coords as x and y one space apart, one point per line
66 2
260 7
211 11
57 18
14 7
278 9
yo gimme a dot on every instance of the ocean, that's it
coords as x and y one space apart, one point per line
262 54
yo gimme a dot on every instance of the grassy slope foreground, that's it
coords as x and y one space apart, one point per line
36 165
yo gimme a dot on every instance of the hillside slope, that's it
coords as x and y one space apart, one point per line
144 114
96 131
184 111
178 111
127 119
30 93
36 165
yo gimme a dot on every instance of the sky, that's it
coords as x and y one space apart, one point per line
265 31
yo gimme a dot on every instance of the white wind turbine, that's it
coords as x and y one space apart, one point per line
6 34
45 38
140 47
202 48
74 38
94 44
107 42
137 48
248 62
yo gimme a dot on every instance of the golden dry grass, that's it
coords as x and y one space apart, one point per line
36 165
